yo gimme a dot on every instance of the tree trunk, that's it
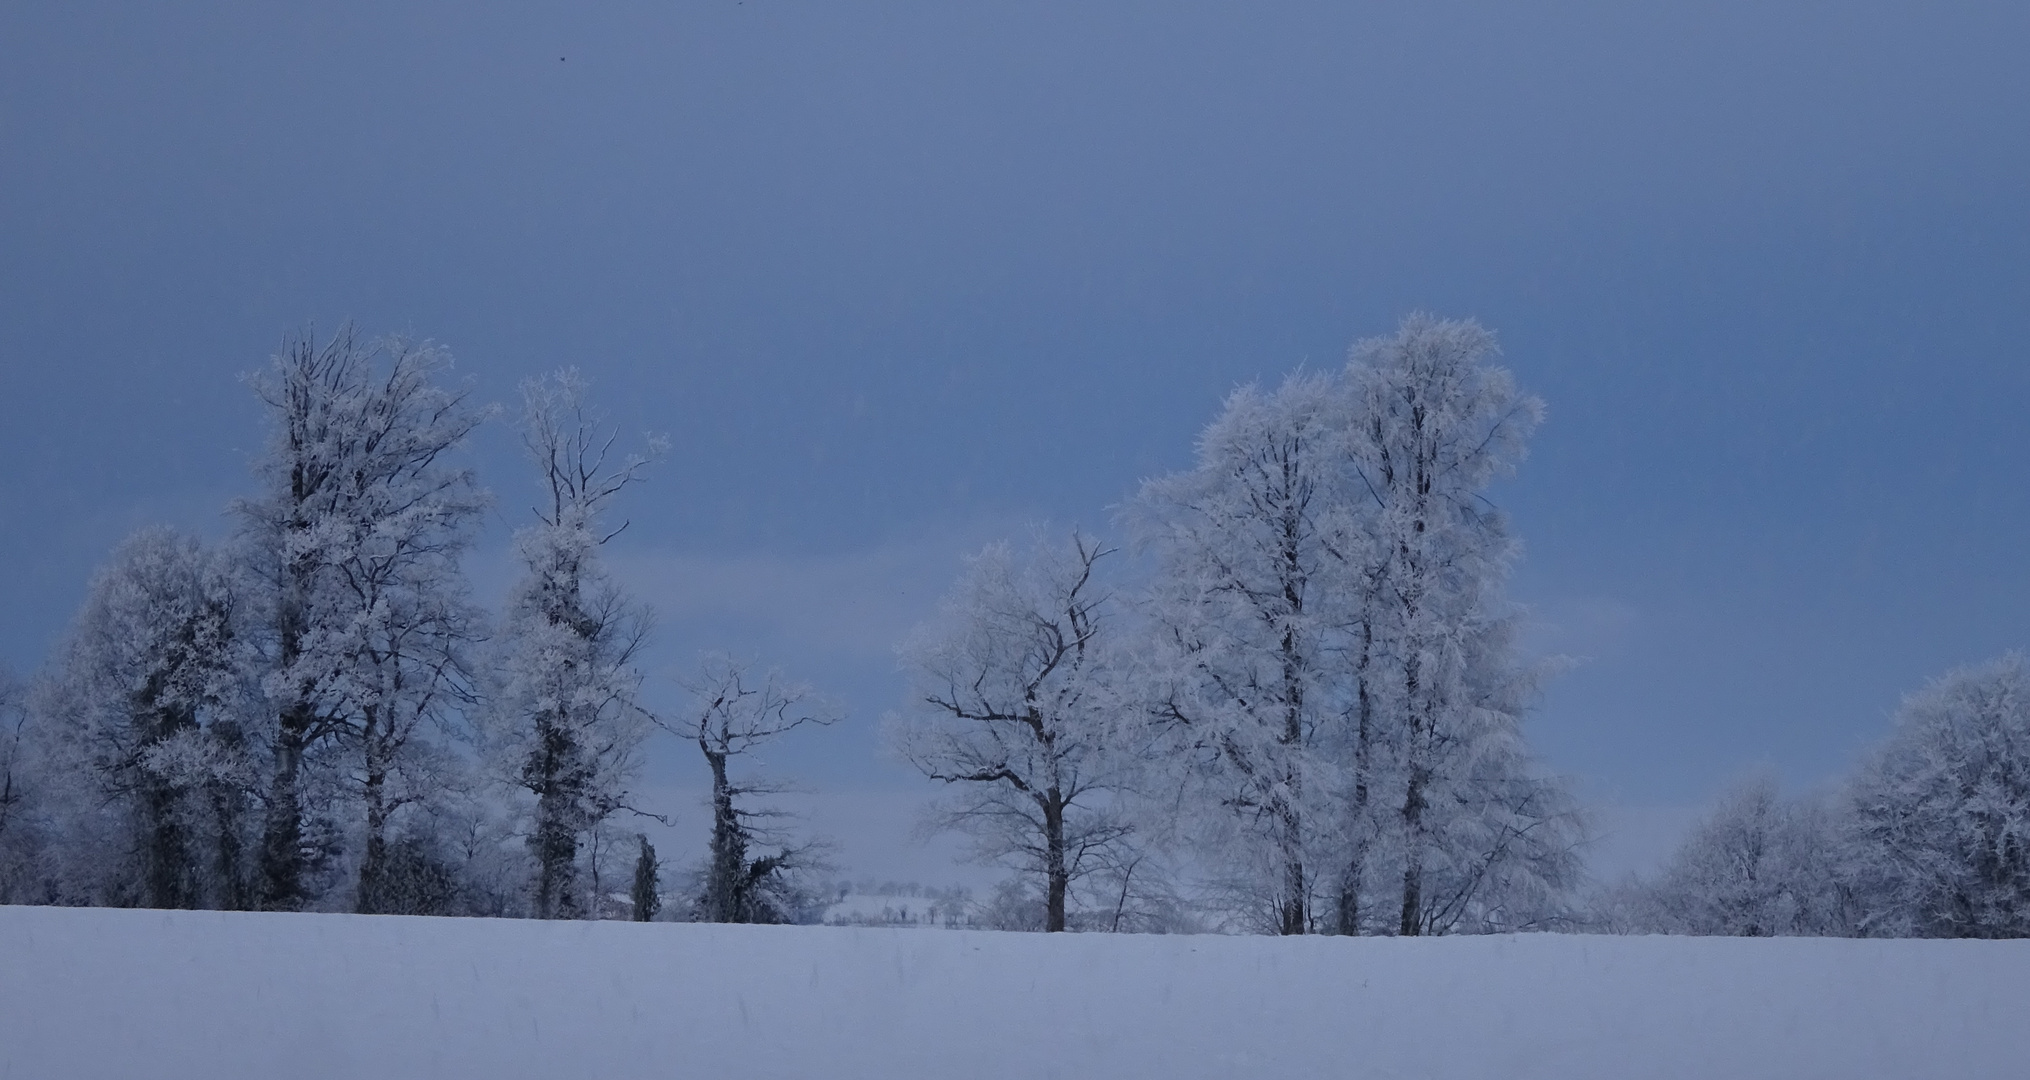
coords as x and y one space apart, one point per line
281 886
725 886
229 894
555 840
1056 874
1413 855
1346 908
165 848
1352 878
373 896
1295 917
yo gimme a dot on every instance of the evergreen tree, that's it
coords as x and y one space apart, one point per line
647 893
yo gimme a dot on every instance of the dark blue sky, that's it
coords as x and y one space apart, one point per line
899 277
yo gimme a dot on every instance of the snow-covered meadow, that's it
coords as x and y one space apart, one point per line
123 993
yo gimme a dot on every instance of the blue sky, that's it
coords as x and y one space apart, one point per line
899 278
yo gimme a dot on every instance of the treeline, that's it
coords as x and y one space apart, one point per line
1930 837
1301 712
1288 700
315 715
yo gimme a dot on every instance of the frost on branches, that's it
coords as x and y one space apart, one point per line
1756 866
23 843
1941 814
564 721
1931 837
1332 656
357 542
142 714
752 873
1481 838
1016 708
1252 597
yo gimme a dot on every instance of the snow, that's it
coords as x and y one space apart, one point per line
110 993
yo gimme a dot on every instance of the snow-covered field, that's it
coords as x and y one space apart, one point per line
129 994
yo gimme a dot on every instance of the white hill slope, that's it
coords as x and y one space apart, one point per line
105 993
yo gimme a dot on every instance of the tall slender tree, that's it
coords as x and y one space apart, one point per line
1431 425
1247 608
647 893
565 719
21 840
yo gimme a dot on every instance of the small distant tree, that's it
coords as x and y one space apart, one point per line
647 893
565 720
1941 814
1015 708
752 873
1757 866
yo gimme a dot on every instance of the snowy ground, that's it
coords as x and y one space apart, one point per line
99 993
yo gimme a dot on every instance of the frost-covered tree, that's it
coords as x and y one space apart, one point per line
732 713
23 873
1253 549
13 763
1333 653
358 540
1758 865
1015 707
143 712
564 718
1941 814
1432 424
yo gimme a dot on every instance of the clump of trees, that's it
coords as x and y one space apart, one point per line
1304 713
1929 838
1311 703
313 714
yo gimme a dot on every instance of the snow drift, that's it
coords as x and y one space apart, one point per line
109 993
